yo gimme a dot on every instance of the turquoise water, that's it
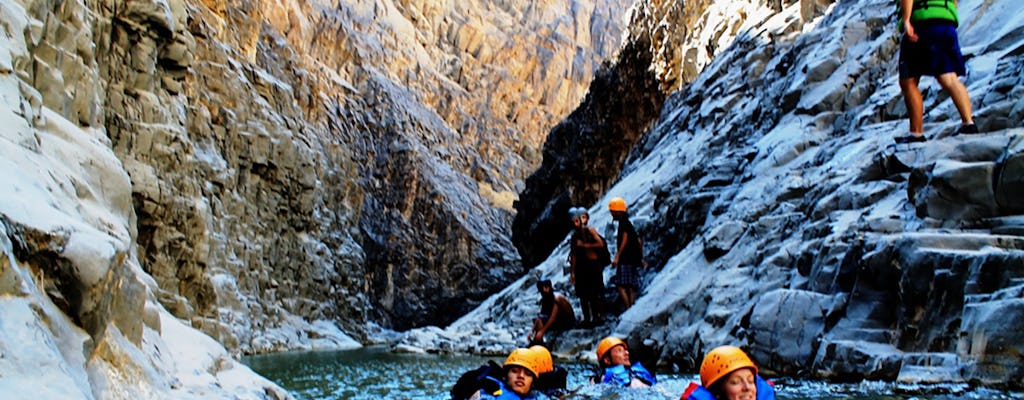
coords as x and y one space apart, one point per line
375 373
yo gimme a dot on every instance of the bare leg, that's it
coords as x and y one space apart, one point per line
915 105
624 294
958 92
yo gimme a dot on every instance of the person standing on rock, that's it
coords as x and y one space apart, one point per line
629 256
727 373
556 314
930 46
586 267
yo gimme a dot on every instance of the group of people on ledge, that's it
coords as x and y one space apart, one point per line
726 373
588 257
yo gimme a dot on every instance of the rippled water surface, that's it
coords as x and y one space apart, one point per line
375 373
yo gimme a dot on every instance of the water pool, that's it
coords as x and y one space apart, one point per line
376 373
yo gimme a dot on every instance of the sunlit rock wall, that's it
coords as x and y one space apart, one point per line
300 167
79 318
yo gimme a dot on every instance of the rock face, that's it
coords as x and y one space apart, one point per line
666 44
295 164
274 174
778 215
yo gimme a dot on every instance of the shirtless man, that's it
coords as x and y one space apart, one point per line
556 314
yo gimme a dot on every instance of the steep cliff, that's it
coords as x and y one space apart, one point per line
277 174
778 215
300 163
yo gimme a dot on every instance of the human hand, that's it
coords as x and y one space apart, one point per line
908 29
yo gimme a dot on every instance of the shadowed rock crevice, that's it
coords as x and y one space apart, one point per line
584 154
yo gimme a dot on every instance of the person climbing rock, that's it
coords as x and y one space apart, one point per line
629 256
616 367
929 46
556 314
727 373
588 256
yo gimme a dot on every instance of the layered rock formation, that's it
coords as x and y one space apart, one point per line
778 215
295 164
278 175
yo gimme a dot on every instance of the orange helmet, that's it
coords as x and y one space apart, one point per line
546 364
617 204
525 358
722 361
606 344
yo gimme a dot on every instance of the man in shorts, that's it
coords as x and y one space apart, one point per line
930 47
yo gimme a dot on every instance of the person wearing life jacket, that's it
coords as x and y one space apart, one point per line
616 368
551 379
520 371
727 373
929 46
490 378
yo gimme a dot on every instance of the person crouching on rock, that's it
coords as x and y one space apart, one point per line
520 373
727 373
616 368
556 314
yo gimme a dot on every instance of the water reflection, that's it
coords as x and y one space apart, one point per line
375 373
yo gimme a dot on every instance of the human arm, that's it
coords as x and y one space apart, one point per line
623 242
572 263
546 324
907 8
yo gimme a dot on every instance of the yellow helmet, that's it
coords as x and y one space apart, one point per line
525 358
546 364
617 204
606 344
722 361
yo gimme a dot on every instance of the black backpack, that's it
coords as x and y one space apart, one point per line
553 383
550 383
472 381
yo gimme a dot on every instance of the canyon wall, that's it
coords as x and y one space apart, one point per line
277 175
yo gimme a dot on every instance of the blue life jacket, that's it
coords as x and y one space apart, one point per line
765 391
619 375
503 393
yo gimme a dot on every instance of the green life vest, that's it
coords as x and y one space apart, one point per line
932 9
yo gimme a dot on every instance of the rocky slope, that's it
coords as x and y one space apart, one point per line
778 215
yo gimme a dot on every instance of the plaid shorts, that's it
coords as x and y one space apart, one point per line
626 275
